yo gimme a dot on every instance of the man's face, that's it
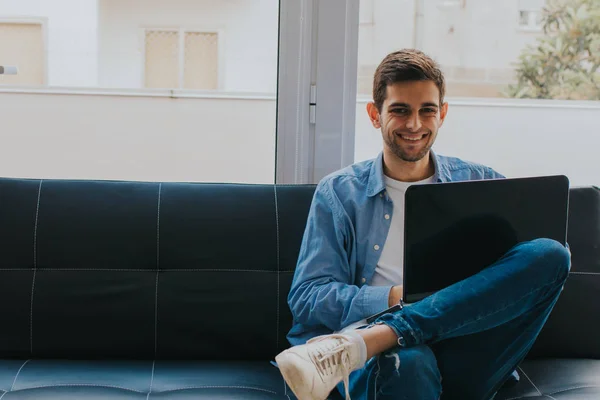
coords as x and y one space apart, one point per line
409 118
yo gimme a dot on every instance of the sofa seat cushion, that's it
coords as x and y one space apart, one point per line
559 379
64 379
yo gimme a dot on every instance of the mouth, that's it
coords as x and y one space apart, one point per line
413 138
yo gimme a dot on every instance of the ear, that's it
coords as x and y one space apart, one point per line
443 113
374 115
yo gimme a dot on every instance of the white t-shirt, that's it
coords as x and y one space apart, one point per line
389 269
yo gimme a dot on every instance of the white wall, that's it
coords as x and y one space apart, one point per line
386 25
71 37
517 138
137 138
485 34
233 139
249 29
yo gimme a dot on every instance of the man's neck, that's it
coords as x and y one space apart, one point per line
407 171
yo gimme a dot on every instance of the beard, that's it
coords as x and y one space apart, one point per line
401 153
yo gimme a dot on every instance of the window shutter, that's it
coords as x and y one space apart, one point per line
201 61
162 59
22 45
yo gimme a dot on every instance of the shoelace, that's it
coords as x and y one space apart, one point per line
331 355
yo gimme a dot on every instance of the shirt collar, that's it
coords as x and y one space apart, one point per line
377 184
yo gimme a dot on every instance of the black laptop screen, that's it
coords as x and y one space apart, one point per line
454 230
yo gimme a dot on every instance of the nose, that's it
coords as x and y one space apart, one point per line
413 122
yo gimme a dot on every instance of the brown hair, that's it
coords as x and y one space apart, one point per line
402 66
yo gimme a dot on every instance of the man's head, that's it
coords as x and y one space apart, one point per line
408 103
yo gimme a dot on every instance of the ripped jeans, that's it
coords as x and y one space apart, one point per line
466 340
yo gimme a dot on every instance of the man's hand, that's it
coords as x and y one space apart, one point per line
395 295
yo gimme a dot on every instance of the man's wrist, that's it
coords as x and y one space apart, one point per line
395 295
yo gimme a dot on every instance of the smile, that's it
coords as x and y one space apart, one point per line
414 138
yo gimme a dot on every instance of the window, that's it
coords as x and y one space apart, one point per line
162 59
530 20
181 59
22 45
514 88
530 15
152 90
475 42
200 67
481 45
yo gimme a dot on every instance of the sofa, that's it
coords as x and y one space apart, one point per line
143 290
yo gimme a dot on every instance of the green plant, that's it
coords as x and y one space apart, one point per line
565 61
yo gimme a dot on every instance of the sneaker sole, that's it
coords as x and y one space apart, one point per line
290 375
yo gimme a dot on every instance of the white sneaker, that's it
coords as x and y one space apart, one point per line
313 370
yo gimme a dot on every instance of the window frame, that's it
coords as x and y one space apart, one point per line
296 66
318 56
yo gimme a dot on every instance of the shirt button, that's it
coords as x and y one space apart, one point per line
387 216
364 280
376 247
380 194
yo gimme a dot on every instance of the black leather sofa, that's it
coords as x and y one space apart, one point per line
134 290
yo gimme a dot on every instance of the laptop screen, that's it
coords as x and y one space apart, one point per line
454 230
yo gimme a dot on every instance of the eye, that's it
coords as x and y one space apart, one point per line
429 110
399 111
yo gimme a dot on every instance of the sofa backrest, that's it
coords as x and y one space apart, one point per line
96 269
100 269
573 329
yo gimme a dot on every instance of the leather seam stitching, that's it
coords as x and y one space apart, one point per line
138 391
80 385
584 273
573 388
529 379
143 270
12 387
151 379
157 272
37 214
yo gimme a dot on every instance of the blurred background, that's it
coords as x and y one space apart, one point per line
188 90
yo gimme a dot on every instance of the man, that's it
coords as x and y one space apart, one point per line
462 342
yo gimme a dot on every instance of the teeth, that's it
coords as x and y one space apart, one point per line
412 139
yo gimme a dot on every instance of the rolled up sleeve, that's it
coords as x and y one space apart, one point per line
323 292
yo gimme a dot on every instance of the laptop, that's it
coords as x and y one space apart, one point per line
454 230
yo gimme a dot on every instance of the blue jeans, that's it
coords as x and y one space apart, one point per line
465 341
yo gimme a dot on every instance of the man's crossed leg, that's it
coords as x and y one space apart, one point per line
462 342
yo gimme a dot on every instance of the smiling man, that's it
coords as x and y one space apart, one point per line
454 344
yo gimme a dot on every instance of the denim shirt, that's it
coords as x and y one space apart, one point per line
343 240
